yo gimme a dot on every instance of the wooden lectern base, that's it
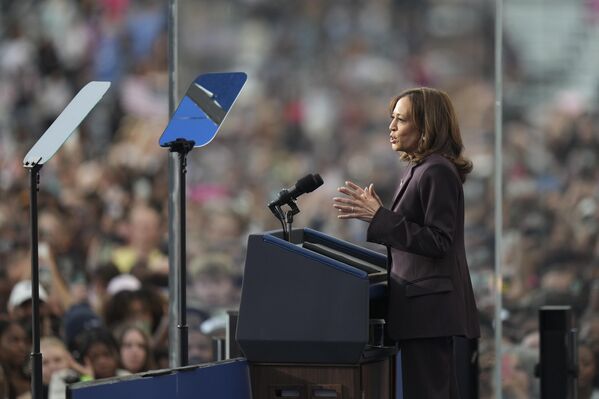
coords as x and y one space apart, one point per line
370 379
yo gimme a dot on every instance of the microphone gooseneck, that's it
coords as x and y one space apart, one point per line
306 184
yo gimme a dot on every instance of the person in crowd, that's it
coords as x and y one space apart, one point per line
100 351
55 229
144 306
162 357
58 367
55 357
589 334
135 349
213 282
517 369
201 348
19 306
19 301
430 293
142 253
78 319
98 354
587 370
14 352
98 293
5 288
54 292
3 384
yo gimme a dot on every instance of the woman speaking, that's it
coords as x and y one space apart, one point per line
430 293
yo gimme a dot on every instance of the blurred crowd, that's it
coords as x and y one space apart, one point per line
320 76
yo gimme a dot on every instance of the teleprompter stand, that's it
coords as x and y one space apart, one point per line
52 139
194 123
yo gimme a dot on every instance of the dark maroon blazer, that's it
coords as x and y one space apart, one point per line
430 292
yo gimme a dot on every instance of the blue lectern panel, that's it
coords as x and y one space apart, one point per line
299 251
155 387
230 381
227 379
203 108
300 306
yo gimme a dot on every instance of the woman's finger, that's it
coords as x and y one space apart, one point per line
349 192
353 185
355 189
342 200
344 208
346 213
374 194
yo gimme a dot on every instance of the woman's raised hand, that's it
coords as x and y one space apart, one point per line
359 203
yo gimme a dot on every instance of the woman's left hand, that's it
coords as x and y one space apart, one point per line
360 203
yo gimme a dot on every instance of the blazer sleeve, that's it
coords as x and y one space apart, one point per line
439 190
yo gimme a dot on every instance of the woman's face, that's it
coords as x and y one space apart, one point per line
403 135
103 360
13 346
133 351
139 312
54 359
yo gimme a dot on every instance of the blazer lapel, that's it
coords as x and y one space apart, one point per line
402 185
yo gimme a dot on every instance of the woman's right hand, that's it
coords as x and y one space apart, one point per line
83 369
360 203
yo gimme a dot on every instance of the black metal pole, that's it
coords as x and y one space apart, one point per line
183 337
557 370
182 147
36 356
289 224
279 214
173 246
572 344
294 210
174 258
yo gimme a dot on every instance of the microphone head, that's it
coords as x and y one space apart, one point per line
309 183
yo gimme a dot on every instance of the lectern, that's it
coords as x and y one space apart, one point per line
304 318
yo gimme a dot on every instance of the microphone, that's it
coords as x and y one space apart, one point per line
306 184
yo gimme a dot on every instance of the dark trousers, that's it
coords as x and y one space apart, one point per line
428 368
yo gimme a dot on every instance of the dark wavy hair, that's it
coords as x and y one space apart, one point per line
97 335
434 117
